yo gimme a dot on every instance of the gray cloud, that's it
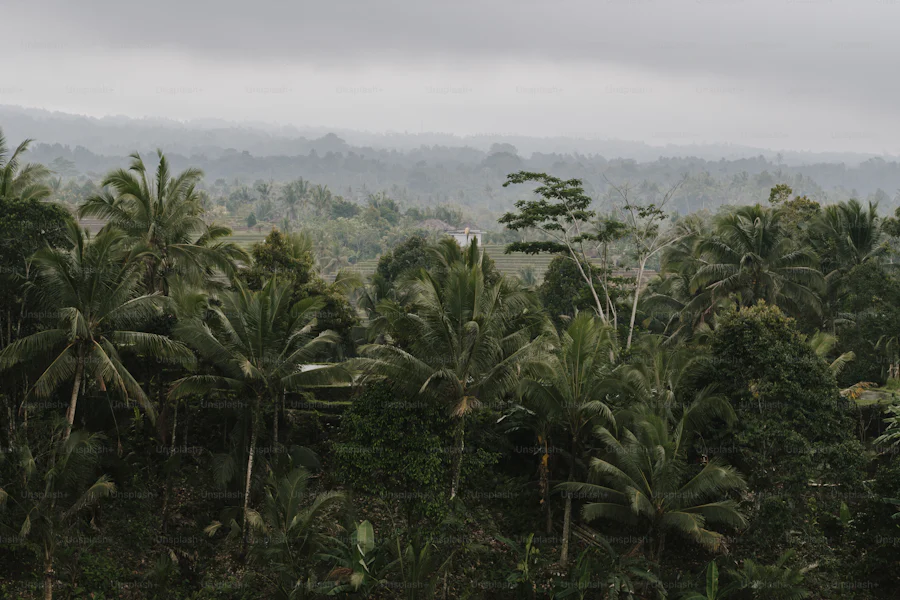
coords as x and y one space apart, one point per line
814 72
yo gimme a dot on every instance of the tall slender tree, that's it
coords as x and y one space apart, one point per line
571 391
461 341
750 257
845 236
848 234
53 482
668 380
94 293
21 181
643 222
164 216
642 477
291 532
562 214
293 196
259 346
682 306
320 198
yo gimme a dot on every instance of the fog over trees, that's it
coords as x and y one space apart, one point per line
487 301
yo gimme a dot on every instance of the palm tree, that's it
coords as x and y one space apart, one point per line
447 253
822 344
55 187
538 415
750 257
263 188
845 235
571 391
419 565
658 375
848 233
320 197
334 257
665 379
164 216
94 290
891 435
22 182
770 582
460 341
57 483
291 531
619 574
294 194
371 297
260 345
675 299
643 478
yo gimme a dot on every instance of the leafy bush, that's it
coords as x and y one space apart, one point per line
396 449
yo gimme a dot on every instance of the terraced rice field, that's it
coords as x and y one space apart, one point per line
508 264
245 238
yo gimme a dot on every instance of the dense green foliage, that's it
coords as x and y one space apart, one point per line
563 291
795 435
411 255
391 448
185 419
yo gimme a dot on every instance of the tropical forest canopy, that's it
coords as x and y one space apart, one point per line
229 376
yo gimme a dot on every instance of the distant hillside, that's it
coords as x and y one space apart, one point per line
211 137
443 169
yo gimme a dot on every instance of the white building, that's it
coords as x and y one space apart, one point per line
465 236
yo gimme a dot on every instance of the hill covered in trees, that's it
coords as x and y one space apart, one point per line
187 416
431 169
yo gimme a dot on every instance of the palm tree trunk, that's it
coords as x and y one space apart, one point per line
659 548
567 515
48 575
174 429
545 484
76 386
21 306
253 434
168 490
23 407
862 425
186 427
275 421
457 457
162 421
567 524
8 404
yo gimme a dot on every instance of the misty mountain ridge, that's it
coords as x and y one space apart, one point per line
212 137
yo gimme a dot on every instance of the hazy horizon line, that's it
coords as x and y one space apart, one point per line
278 128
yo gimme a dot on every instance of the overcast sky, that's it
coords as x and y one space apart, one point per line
783 74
